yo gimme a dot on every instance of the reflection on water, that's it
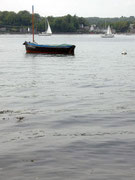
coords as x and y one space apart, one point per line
67 117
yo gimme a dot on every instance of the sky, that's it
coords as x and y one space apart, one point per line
81 8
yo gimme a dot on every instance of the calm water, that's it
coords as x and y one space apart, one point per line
67 117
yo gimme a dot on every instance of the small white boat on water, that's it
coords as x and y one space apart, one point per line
48 32
108 34
124 53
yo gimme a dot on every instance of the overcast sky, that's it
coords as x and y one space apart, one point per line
84 8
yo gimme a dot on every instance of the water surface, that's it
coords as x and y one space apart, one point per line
67 117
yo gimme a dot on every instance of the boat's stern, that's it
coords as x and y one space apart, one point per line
71 51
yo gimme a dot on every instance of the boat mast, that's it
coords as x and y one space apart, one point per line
33 22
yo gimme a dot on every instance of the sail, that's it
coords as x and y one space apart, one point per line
48 31
109 30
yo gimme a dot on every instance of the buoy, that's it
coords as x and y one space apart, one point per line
124 53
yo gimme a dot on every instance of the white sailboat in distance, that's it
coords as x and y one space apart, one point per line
108 34
48 32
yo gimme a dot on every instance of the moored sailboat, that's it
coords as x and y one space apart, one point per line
48 32
33 47
108 34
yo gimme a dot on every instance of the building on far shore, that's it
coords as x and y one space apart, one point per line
132 28
3 29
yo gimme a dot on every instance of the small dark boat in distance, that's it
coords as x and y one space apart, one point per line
33 47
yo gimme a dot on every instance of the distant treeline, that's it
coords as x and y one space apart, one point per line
120 25
66 24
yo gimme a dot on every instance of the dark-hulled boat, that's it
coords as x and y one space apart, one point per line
32 47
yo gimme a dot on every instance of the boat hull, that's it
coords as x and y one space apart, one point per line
45 34
49 49
108 36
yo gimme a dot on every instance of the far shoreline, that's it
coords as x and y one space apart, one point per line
17 33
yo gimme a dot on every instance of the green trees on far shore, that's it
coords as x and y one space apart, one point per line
12 21
63 24
121 25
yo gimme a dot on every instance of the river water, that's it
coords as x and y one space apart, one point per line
67 117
